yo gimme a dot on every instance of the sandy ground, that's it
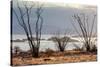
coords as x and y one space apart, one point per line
54 59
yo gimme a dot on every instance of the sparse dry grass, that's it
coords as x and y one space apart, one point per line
56 57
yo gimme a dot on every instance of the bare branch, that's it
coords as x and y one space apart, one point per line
27 26
84 27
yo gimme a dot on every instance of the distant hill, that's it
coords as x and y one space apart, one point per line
70 40
54 19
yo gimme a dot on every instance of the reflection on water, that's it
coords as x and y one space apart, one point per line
45 45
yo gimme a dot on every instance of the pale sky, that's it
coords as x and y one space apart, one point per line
57 15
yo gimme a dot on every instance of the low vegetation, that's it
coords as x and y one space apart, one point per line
51 56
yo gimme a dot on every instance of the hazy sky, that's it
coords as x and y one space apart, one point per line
56 16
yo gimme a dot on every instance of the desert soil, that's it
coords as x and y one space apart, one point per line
54 59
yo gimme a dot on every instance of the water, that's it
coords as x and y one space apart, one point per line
45 44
